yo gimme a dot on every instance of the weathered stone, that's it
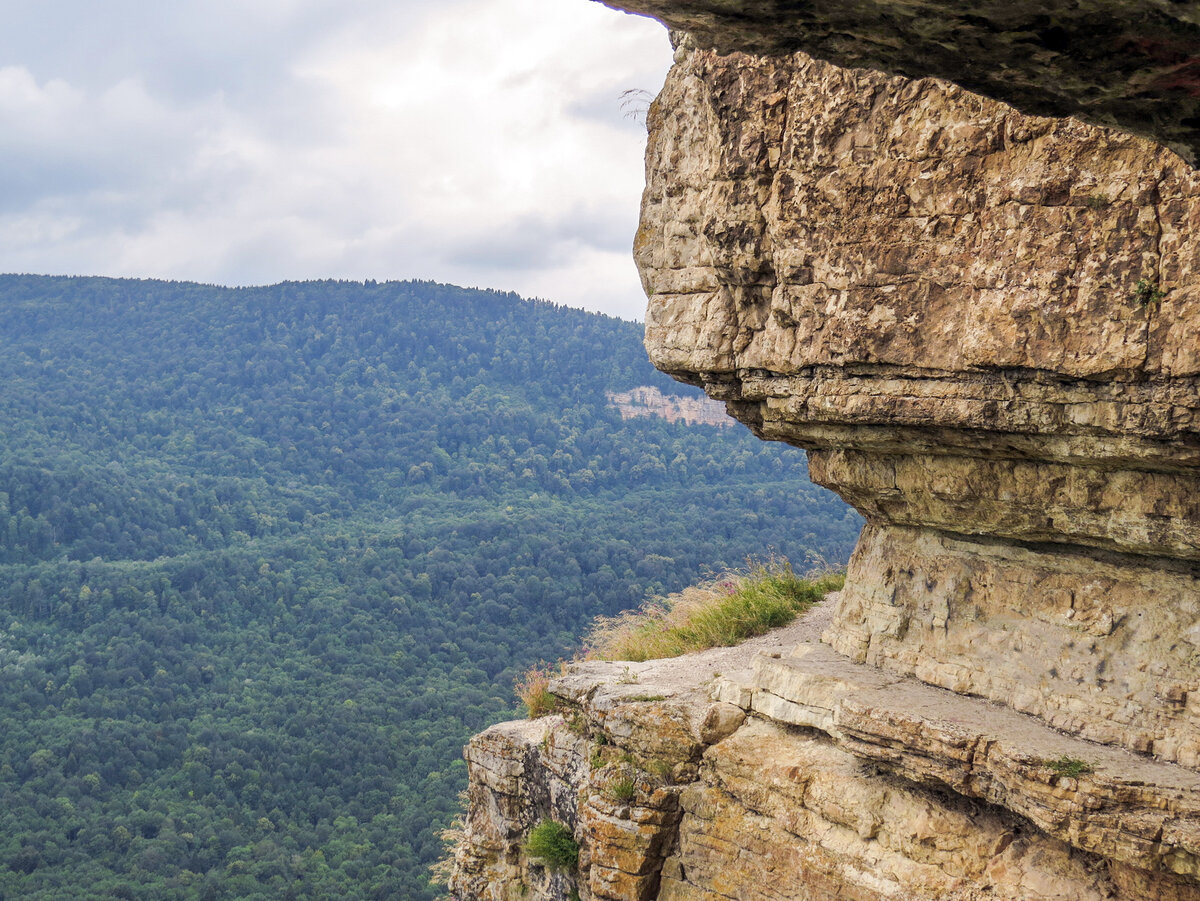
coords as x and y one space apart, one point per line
1106 649
1120 806
647 400
985 328
898 791
938 296
782 815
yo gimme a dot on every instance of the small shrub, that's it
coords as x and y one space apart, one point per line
1147 292
622 789
1097 201
554 845
1072 767
724 612
533 690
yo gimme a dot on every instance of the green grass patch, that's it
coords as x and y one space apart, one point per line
553 844
622 789
1073 767
720 613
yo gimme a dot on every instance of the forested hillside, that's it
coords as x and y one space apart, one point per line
269 556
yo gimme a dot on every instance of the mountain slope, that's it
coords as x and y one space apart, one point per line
268 557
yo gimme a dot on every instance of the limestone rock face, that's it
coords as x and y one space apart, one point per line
1134 64
985 327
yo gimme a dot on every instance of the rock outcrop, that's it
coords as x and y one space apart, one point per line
779 769
984 326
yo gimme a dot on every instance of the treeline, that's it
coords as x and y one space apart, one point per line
269 556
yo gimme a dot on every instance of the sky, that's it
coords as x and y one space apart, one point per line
241 142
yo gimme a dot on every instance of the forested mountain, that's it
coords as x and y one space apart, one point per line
268 556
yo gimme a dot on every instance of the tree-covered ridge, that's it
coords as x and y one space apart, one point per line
269 555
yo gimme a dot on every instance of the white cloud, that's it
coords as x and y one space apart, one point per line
478 141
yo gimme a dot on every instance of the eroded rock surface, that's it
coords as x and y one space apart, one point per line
781 769
985 327
646 400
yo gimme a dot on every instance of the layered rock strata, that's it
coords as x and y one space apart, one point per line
781 770
984 328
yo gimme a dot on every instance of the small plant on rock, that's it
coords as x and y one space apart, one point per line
553 844
622 789
662 769
1147 292
1072 767
452 837
1097 201
627 677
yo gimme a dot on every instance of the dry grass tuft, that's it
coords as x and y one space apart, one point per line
720 613
533 690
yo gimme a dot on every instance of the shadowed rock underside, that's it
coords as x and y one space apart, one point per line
1131 64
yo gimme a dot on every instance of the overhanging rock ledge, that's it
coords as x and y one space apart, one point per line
1131 64
985 328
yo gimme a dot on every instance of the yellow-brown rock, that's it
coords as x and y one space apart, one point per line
984 327
843 782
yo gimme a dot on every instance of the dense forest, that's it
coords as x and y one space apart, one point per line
268 556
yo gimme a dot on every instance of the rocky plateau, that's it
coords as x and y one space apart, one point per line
983 324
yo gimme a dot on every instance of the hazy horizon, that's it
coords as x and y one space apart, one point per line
479 143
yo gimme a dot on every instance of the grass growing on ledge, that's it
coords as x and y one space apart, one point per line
1073 767
724 612
533 690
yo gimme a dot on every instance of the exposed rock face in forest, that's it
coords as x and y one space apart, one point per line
984 326
646 400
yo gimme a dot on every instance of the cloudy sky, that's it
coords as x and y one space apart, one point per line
479 142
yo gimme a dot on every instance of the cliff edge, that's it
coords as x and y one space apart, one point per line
984 327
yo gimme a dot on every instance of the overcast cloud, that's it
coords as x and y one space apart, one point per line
479 142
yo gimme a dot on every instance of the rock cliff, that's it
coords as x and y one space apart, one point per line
984 326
